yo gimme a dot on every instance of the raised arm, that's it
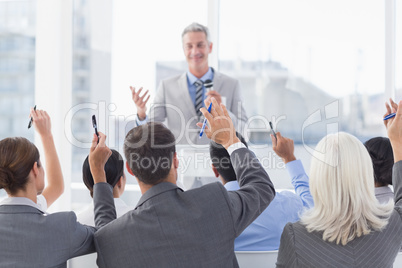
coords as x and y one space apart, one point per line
104 208
394 131
256 189
284 148
54 175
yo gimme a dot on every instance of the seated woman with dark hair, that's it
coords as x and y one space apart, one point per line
115 176
381 154
29 236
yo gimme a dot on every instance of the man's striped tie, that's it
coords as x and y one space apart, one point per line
198 97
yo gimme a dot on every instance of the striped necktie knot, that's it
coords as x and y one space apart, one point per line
198 83
198 96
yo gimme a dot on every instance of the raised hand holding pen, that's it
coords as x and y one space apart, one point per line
95 126
283 147
390 112
220 127
41 122
54 175
204 124
30 119
98 156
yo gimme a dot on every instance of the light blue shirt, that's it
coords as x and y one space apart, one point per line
191 79
265 232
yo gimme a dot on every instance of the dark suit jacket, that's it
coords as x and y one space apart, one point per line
30 238
195 228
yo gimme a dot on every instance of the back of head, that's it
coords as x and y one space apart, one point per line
381 154
341 184
149 151
221 159
17 157
196 27
114 169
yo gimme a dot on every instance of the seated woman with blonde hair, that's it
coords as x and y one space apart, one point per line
348 226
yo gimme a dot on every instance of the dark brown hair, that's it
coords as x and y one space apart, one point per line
149 150
17 157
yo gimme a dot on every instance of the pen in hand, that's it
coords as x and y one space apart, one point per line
31 120
389 116
272 130
205 121
95 126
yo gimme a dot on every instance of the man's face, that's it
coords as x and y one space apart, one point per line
196 50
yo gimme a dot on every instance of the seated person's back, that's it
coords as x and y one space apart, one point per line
114 169
265 232
172 228
347 227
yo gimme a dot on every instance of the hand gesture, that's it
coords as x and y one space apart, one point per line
283 147
220 127
41 122
213 94
394 125
140 103
98 156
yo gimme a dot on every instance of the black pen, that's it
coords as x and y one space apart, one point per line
95 127
272 130
31 120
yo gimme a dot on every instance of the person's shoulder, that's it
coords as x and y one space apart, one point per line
126 221
224 76
295 229
288 196
63 215
172 79
288 200
65 220
215 186
209 191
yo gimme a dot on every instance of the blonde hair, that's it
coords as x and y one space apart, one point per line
342 186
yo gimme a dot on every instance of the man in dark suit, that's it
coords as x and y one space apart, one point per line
172 228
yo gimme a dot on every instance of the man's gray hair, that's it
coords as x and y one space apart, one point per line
196 27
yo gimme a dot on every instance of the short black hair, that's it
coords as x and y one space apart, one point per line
221 159
149 151
382 156
114 169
